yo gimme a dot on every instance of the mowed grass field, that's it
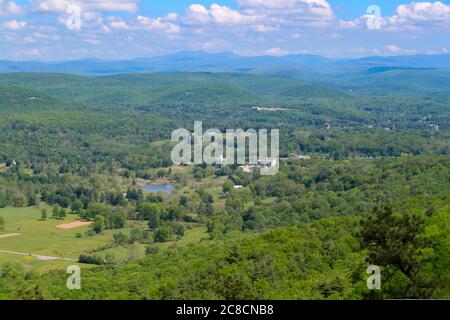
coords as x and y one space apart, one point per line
44 238
32 263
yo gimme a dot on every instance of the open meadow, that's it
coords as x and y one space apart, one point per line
55 244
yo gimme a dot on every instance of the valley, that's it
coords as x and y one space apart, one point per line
94 154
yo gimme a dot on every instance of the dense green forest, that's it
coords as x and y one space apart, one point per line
364 180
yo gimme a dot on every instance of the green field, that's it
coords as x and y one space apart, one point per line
36 237
43 237
193 235
137 250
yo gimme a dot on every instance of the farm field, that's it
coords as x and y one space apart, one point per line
43 238
43 245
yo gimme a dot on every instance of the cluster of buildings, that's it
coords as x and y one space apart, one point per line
262 162
272 109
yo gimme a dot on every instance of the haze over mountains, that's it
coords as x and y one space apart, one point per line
425 73
227 62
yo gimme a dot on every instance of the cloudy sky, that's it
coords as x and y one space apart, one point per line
123 29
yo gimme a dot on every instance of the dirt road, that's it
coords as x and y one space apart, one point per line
37 256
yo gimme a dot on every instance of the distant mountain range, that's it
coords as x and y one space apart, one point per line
228 62
424 72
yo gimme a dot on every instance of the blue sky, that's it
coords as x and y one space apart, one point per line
123 29
347 8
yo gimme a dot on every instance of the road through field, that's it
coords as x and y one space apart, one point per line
39 257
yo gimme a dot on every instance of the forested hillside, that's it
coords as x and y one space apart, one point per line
363 180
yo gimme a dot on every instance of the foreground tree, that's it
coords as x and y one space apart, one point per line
395 243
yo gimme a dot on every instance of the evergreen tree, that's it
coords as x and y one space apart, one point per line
394 242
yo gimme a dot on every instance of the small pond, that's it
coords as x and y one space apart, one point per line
155 188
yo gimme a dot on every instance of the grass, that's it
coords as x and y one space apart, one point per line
137 250
124 253
44 238
196 234
39 237
31 263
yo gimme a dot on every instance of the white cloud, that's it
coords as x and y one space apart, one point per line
119 24
349 24
51 5
117 5
15 25
225 15
13 8
336 35
198 14
412 17
250 26
396 49
92 17
33 52
158 24
10 8
424 11
263 28
298 9
276 52
38 36
171 17
267 4
60 6
141 23
418 16
93 41
282 4
217 44
106 29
